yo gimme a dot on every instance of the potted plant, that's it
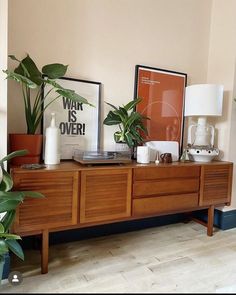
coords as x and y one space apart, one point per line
131 124
32 82
9 201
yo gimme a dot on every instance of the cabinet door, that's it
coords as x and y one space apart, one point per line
216 182
105 195
58 208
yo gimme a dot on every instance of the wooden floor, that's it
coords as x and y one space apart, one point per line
175 258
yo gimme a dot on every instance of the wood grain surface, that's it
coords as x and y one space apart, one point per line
105 194
216 183
58 208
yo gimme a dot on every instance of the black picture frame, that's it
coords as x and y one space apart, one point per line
151 85
79 124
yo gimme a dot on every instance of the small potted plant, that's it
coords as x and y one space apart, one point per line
9 201
131 124
32 81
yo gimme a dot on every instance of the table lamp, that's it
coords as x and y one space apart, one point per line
202 100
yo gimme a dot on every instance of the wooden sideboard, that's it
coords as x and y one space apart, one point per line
81 196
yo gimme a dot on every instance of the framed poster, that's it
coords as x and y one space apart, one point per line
162 94
79 124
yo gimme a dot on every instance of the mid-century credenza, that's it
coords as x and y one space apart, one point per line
79 196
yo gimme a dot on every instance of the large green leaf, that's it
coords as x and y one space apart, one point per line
8 219
13 57
19 195
72 95
123 112
132 104
112 119
20 79
111 105
133 118
120 115
128 140
15 247
137 135
52 83
30 194
3 247
14 154
10 236
142 127
13 196
27 67
6 205
54 71
2 229
6 183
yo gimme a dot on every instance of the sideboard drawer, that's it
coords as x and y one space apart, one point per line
153 173
164 204
167 186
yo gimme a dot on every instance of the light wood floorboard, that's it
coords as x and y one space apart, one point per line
177 258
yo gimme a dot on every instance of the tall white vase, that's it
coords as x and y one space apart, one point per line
52 143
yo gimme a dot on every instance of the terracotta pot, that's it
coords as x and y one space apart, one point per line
30 142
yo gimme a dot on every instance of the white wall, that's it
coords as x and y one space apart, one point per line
221 69
103 40
3 83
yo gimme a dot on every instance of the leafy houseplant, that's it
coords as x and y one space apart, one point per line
130 122
30 78
32 82
9 201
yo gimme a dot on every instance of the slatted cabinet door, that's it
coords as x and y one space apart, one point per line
105 194
59 207
216 183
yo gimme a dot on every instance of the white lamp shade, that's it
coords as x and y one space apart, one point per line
204 100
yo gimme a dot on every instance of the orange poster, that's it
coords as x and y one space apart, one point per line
162 94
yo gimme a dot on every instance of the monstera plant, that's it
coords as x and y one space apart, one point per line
9 201
32 80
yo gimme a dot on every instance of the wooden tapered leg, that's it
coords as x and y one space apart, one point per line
44 254
210 221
